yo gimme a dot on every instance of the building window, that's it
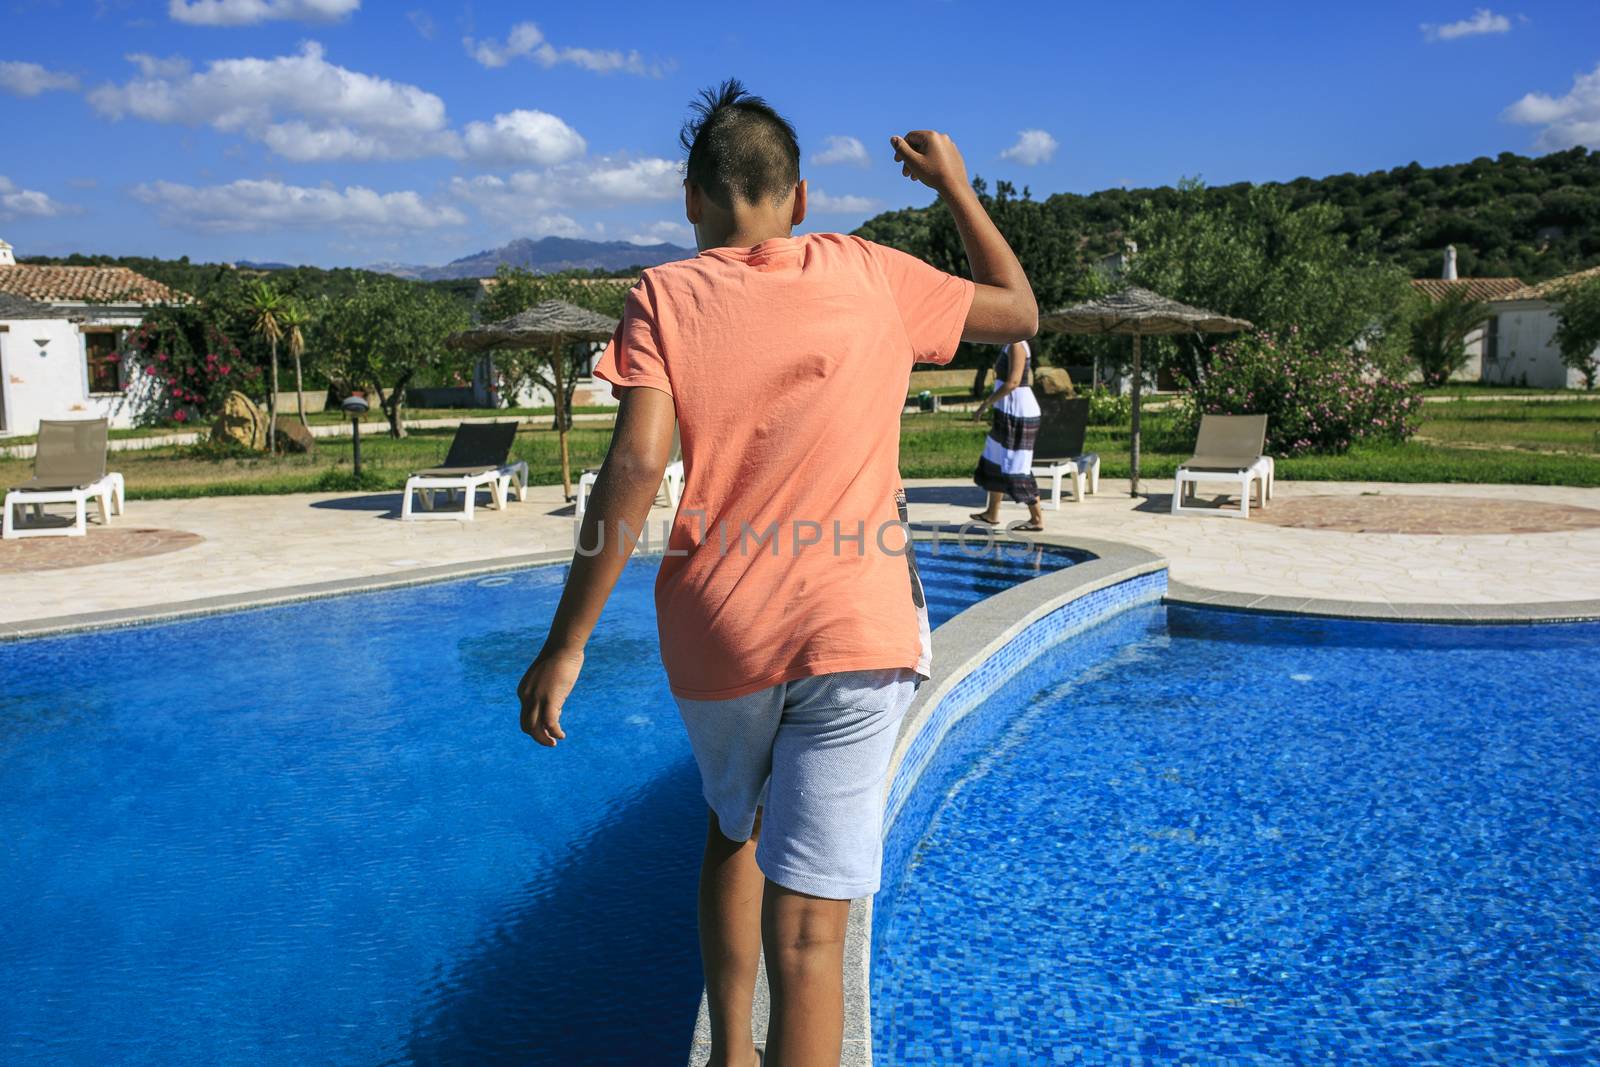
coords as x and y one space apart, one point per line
105 370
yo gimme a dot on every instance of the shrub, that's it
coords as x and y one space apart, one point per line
1439 332
193 363
1315 400
1578 328
1107 408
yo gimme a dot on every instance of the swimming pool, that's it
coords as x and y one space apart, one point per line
314 834
1190 836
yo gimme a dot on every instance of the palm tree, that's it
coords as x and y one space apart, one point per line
1440 330
266 308
293 319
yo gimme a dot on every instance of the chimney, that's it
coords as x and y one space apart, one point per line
1450 263
6 258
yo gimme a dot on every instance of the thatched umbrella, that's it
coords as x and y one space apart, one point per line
1139 313
547 327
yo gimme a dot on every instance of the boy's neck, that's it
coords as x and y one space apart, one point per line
744 225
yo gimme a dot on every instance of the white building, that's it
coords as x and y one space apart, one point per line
1527 353
60 329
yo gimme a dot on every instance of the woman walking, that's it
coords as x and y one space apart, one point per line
1006 466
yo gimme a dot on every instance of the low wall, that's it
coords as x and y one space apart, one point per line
974 654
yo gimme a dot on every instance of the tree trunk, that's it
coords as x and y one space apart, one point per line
559 398
394 402
300 392
272 405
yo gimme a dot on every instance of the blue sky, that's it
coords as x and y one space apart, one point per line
352 131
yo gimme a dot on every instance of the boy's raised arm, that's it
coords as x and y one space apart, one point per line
628 482
1003 307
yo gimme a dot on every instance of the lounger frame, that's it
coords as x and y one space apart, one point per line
502 483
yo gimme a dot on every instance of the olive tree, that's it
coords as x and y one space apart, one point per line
386 332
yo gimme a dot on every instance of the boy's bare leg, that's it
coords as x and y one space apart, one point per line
804 936
730 941
991 513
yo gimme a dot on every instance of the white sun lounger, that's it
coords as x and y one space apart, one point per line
478 459
69 468
1228 449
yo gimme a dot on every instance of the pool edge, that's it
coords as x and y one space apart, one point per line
118 618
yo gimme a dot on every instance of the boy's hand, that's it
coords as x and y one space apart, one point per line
544 688
932 159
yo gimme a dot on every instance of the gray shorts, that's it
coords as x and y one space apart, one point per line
812 754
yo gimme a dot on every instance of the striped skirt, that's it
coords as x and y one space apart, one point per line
1006 465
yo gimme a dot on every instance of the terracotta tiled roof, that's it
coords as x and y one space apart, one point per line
1544 290
85 285
1475 288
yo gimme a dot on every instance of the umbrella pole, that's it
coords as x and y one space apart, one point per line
560 401
1138 378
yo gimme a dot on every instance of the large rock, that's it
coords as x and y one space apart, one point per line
241 421
1053 381
292 437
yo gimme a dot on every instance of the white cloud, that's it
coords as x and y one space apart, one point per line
822 203
250 12
301 106
155 67
17 202
597 183
249 205
1482 21
1033 147
523 137
422 22
1573 119
526 40
677 233
842 150
30 79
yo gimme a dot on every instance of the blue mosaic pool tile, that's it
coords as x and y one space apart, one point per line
1066 621
1197 837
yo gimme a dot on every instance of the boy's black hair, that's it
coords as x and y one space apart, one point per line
739 147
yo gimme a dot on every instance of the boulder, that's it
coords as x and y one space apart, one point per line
1053 381
242 422
292 437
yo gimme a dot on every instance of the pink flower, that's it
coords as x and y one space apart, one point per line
226 368
181 415
162 356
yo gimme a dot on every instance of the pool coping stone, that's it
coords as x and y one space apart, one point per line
1387 611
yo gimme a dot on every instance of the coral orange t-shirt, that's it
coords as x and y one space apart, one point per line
788 364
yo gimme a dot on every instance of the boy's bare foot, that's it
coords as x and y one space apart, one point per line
985 518
751 1058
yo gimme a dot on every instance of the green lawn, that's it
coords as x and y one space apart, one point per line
1539 442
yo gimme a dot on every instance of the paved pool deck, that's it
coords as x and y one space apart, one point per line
255 549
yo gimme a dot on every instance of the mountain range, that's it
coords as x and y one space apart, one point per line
544 256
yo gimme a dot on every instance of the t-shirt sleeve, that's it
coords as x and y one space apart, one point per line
933 305
633 357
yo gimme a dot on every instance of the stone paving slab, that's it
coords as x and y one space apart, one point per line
251 545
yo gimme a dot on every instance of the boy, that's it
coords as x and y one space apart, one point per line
788 612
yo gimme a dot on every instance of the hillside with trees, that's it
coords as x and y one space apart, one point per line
1532 218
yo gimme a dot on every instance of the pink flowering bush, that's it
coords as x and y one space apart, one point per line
193 363
1315 400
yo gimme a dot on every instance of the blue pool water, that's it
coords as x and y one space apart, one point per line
1209 838
314 834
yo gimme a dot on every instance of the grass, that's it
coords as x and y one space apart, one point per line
1472 389
1537 442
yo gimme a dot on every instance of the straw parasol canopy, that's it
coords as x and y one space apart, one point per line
1138 313
548 326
